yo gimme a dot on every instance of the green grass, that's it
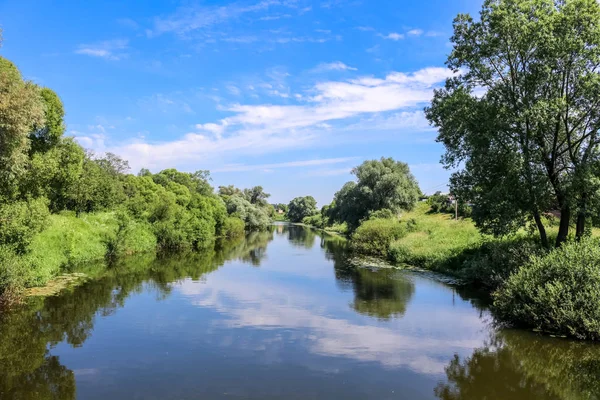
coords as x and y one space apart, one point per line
69 240
433 239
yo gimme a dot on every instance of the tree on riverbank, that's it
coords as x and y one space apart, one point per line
522 114
301 207
61 205
383 184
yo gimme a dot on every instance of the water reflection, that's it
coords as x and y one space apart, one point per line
521 365
28 371
312 325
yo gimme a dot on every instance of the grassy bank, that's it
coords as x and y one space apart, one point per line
550 290
70 241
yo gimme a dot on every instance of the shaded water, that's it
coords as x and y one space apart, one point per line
278 315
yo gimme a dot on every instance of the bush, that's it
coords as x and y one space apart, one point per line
12 276
133 237
559 292
374 237
491 263
68 240
20 221
315 220
234 227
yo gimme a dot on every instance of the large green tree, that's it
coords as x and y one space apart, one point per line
521 116
21 108
302 207
380 184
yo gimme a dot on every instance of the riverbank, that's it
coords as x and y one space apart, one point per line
69 242
550 290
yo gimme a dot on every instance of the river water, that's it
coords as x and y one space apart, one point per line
278 315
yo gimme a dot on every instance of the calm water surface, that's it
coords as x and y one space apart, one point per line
278 315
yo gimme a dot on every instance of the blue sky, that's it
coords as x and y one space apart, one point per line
287 94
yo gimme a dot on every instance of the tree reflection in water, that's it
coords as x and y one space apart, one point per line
522 365
27 334
382 293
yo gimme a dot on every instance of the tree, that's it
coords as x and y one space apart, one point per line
301 207
521 116
229 191
280 206
381 184
256 196
21 109
48 135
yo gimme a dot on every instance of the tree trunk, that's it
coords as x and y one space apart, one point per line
563 230
541 229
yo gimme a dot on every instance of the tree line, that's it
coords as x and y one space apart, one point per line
45 175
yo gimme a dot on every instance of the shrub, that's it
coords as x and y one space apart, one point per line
559 292
374 237
234 227
20 221
12 276
491 263
315 220
133 237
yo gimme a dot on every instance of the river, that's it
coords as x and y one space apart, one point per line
278 315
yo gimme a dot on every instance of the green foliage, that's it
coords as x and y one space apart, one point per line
69 240
21 108
257 196
315 220
381 184
234 227
374 236
12 276
302 207
529 144
253 216
439 203
558 292
21 221
48 135
132 237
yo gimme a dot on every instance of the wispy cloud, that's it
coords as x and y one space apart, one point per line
393 36
108 49
291 164
333 66
192 18
415 32
128 23
255 129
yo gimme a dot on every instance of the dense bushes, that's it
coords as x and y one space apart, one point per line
374 236
98 208
558 293
20 221
234 227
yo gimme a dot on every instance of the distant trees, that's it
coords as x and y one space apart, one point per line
381 184
522 115
302 207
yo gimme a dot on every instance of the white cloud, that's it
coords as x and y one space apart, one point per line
189 19
165 104
393 36
333 66
415 32
264 128
108 49
290 164
395 344
234 90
